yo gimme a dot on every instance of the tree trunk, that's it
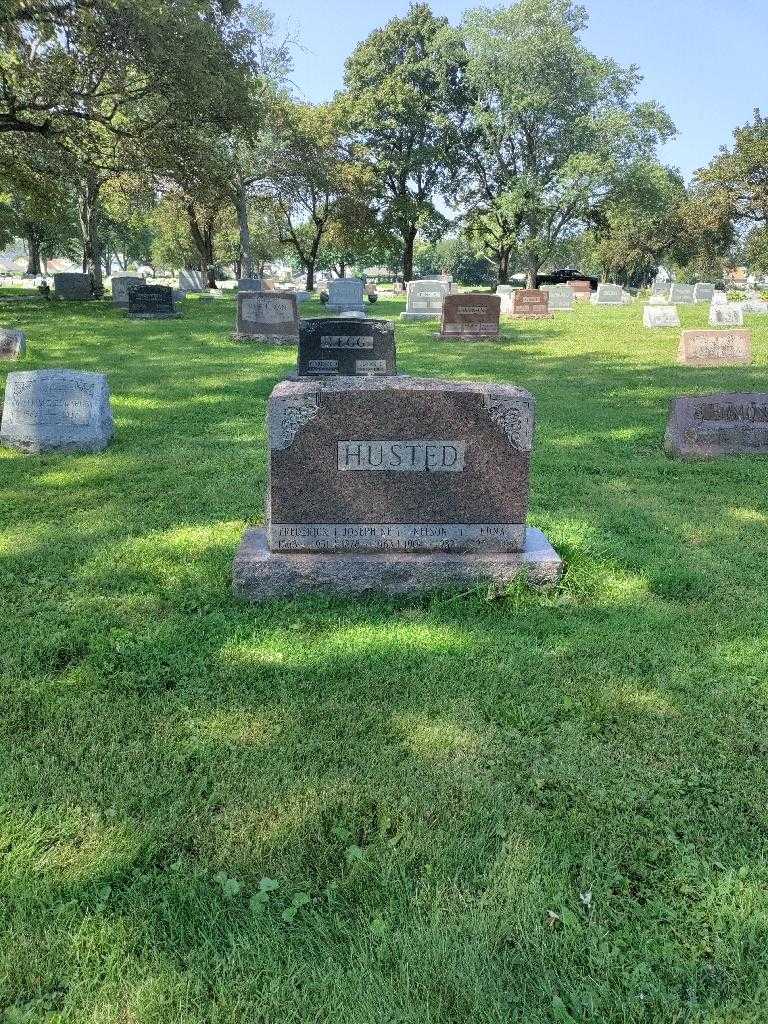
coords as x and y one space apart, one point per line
90 224
532 276
409 237
33 249
310 285
203 239
503 268
246 247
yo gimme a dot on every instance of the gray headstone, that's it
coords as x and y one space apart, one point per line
703 292
72 286
470 316
718 296
56 411
660 288
682 294
561 296
755 307
193 280
121 285
269 317
608 295
660 316
249 284
13 343
151 302
710 426
339 345
726 314
345 294
398 463
715 348
424 299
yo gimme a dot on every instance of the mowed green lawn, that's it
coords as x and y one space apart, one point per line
539 808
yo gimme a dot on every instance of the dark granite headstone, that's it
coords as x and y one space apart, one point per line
151 302
709 426
715 348
73 286
530 304
13 343
470 316
269 317
343 345
56 411
250 284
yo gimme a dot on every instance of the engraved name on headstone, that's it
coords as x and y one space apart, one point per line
56 411
347 346
151 302
345 295
710 426
726 314
270 317
530 304
424 299
73 286
715 348
660 316
470 316
582 290
13 343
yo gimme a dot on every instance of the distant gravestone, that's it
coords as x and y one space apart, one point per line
152 302
73 286
470 316
121 285
682 294
192 281
755 307
56 411
424 299
726 314
337 345
608 295
270 317
345 294
530 304
504 291
711 426
703 292
13 343
561 296
660 288
658 300
718 296
249 284
582 290
394 484
660 316
715 348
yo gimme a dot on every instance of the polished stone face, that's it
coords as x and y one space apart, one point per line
715 348
398 464
72 286
710 426
343 345
56 410
471 315
151 301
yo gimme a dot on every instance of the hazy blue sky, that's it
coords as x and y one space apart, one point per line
706 61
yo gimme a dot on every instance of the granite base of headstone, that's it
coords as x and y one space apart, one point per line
271 318
56 411
329 346
394 485
424 300
472 316
13 343
152 302
655 315
530 304
73 287
715 348
121 285
712 426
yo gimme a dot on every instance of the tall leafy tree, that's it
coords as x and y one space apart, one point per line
739 176
553 127
405 98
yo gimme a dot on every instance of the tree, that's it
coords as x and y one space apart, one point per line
404 100
739 176
553 127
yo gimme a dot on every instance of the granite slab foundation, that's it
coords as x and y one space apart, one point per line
260 574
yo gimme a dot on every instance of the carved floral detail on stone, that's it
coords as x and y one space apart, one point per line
287 415
515 417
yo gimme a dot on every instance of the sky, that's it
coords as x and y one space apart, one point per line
705 61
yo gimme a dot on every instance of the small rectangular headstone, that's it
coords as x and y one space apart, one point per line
755 307
608 295
715 348
121 285
151 302
398 464
703 292
530 304
192 280
660 288
682 294
711 426
345 295
660 316
470 315
56 411
270 317
424 299
582 290
329 346
73 286
726 314
561 296
249 284
13 343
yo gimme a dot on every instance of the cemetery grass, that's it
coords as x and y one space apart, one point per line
470 807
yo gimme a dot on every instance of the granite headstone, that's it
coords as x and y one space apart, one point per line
13 343
56 411
710 426
152 302
345 294
121 285
582 290
530 304
424 299
660 316
250 284
608 295
682 294
561 296
715 348
341 345
726 314
703 292
271 317
73 286
470 316
193 281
